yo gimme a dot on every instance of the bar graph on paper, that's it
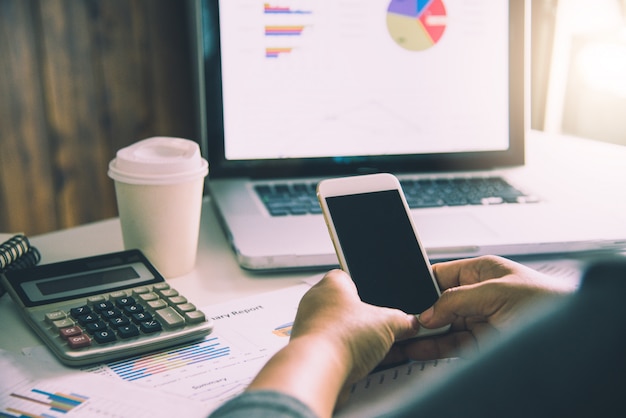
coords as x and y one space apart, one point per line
41 403
247 332
145 366
210 371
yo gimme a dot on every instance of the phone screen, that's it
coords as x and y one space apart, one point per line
381 250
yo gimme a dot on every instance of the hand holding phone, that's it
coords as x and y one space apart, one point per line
377 244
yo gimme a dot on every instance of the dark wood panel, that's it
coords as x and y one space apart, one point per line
27 195
81 80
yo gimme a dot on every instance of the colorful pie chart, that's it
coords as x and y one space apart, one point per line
416 25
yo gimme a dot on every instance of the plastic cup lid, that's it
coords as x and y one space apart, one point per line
158 160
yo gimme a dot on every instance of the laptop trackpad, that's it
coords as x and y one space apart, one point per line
453 229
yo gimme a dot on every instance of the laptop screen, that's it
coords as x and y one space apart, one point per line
331 87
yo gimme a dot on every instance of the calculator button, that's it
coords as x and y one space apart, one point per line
170 317
127 331
119 294
177 300
140 290
167 293
150 326
129 310
141 317
81 310
102 306
157 304
194 317
65 333
95 327
127 301
86 319
161 286
55 316
147 297
111 313
105 336
185 307
95 299
63 323
79 341
119 321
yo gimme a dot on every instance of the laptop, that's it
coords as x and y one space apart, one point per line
433 91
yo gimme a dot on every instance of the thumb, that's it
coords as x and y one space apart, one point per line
462 301
403 326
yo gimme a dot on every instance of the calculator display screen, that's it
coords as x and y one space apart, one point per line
87 280
78 284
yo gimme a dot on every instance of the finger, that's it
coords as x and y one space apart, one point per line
339 280
481 300
402 325
471 270
452 273
334 286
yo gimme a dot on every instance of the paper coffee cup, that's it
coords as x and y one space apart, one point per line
158 186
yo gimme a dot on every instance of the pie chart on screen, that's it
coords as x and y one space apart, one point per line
416 25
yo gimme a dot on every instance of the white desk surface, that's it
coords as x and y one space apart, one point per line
565 163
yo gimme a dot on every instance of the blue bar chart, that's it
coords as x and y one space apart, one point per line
140 367
41 403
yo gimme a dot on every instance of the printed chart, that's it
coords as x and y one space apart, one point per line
247 332
416 25
144 366
29 388
37 402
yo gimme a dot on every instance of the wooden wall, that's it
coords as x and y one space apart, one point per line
80 79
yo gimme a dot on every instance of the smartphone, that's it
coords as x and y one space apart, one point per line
377 244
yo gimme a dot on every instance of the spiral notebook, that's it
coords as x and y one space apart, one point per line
16 252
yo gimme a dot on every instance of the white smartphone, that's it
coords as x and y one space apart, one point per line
377 244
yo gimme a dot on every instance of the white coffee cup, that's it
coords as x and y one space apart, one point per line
158 186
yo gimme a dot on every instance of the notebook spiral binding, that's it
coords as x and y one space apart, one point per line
17 253
13 249
30 259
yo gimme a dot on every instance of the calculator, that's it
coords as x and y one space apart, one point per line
103 308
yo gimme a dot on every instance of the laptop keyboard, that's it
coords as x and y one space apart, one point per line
282 199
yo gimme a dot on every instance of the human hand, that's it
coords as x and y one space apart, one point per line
335 340
333 311
481 298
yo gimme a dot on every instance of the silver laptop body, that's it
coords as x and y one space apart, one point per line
434 89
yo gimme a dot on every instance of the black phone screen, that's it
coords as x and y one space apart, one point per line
381 250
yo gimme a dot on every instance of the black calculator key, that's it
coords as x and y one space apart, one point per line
88 318
127 301
151 326
81 310
127 331
119 321
111 313
141 317
102 306
105 336
95 327
132 309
